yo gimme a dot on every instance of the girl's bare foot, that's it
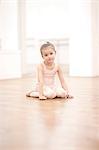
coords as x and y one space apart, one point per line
28 95
42 97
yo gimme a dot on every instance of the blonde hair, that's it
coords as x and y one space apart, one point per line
45 45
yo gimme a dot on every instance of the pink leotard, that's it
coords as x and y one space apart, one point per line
49 76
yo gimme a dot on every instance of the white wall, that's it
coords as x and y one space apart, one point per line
10 56
50 19
95 35
83 49
47 18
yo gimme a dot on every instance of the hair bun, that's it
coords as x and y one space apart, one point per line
48 42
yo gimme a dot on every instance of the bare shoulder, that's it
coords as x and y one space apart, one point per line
40 66
58 67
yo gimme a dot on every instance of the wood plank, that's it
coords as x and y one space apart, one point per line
59 124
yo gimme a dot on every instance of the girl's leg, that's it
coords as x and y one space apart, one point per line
28 93
32 94
49 93
60 92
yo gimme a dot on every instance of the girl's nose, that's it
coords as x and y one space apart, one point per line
50 55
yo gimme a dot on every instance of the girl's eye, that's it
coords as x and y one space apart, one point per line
45 55
51 53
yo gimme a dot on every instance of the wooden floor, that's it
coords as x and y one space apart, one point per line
59 124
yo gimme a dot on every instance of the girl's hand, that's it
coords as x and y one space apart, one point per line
69 96
42 97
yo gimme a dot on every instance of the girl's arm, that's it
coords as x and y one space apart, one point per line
40 81
62 80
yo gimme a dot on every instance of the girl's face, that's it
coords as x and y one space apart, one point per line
48 55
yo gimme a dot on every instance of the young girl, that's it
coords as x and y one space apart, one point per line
46 71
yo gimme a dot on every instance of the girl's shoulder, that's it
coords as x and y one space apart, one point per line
40 66
58 67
